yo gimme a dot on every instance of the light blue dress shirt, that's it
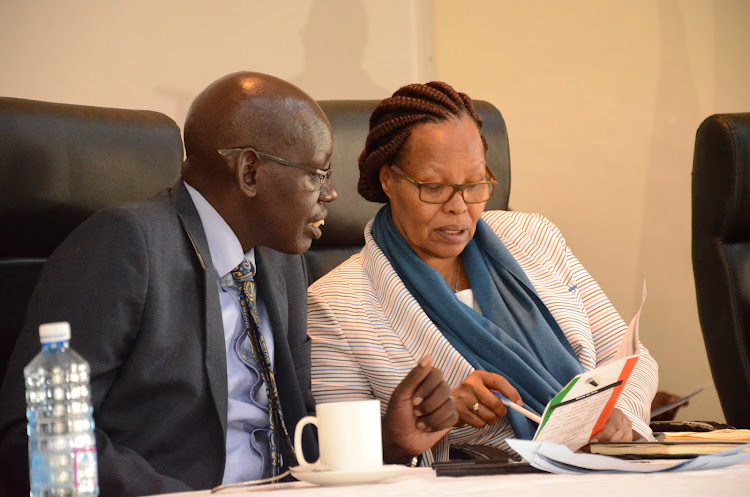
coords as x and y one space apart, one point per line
248 428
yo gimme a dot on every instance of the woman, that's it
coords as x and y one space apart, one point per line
496 299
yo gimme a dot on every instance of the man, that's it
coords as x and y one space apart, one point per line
191 308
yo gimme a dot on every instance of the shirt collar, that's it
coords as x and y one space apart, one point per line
225 247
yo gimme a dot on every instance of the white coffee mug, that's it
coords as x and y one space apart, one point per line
349 437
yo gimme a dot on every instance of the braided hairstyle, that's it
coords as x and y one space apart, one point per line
393 120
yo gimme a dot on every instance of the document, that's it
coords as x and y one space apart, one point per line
630 344
676 403
582 408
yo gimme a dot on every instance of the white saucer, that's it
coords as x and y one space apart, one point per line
320 476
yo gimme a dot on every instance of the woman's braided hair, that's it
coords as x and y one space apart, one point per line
393 120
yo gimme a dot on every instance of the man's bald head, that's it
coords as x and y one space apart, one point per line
251 109
262 199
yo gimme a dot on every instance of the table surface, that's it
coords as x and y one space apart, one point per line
422 482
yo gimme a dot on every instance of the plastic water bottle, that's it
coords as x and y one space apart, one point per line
62 447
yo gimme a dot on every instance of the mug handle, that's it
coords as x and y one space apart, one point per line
298 438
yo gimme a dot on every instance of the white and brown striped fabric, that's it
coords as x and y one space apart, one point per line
368 331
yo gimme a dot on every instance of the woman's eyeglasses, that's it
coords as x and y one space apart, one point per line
322 176
440 193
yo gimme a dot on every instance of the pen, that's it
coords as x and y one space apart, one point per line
519 409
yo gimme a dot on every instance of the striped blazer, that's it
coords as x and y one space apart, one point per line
368 331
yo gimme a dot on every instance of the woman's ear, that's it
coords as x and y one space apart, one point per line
386 177
246 172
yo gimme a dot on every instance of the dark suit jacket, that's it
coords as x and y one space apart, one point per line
137 286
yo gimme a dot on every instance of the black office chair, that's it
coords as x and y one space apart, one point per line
721 256
58 165
343 233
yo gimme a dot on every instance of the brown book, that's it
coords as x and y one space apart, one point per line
662 450
728 435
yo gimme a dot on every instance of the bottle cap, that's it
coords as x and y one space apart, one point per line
54 332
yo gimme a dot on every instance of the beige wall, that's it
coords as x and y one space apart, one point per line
158 54
602 100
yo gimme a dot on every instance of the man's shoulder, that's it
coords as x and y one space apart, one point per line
155 207
159 209
118 227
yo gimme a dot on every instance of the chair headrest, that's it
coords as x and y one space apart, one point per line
350 120
60 163
721 178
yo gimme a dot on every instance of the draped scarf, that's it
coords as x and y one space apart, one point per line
515 336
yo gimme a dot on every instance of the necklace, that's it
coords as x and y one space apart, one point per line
458 275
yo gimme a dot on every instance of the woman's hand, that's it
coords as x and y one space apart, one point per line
419 413
617 429
476 391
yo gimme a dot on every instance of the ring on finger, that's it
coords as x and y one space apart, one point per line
476 407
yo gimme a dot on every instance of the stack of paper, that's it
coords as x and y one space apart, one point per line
558 459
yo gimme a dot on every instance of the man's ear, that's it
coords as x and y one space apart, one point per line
246 172
386 176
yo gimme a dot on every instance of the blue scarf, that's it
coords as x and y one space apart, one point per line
515 336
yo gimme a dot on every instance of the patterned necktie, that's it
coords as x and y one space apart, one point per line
280 443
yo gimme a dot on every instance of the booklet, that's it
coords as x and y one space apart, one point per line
582 408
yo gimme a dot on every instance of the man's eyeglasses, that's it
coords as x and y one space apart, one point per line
322 176
440 193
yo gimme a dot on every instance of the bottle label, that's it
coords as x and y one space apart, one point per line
84 466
